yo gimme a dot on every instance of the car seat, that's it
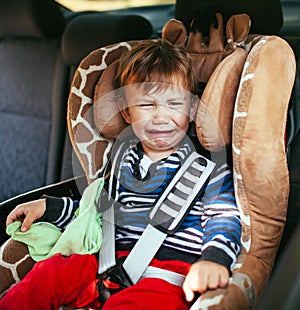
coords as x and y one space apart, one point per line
241 86
247 92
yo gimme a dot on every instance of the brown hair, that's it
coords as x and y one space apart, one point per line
156 61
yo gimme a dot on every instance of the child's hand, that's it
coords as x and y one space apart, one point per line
27 213
204 275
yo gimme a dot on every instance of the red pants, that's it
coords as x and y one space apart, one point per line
71 281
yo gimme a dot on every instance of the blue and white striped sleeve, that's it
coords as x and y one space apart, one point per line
221 219
59 211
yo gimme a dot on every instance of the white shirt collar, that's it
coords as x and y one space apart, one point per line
145 163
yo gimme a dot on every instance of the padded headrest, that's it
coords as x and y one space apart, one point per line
31 18
90 31
266 15
217 102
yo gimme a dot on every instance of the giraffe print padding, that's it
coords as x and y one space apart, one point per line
15 262
92 148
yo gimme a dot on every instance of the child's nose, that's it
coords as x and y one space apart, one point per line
161 115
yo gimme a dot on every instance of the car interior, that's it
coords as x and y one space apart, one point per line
44 47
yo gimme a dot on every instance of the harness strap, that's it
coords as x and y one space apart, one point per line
166 216
168 212
107 252
180 194
167 275
143 252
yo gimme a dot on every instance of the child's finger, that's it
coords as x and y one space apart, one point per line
15 215
27 222
30 217
189 293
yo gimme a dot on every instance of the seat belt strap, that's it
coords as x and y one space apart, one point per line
180 194
165 217
168 212
164 274
107 258
107 253
142 253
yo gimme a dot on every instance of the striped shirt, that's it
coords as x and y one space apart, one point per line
212 226
210 231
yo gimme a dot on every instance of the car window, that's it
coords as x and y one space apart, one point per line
104 5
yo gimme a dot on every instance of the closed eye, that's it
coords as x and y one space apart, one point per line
146 105
176 104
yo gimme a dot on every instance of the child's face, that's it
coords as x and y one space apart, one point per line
160 118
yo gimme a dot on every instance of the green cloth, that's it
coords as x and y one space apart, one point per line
82 236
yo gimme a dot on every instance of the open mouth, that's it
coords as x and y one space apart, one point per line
160 133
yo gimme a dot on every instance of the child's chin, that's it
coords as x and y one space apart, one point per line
163 144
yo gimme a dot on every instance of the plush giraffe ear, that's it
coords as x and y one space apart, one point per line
237 29
175 32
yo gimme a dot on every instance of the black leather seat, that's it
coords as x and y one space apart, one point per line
264 20
31 68
34 85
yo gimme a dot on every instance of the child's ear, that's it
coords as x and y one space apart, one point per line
124 110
